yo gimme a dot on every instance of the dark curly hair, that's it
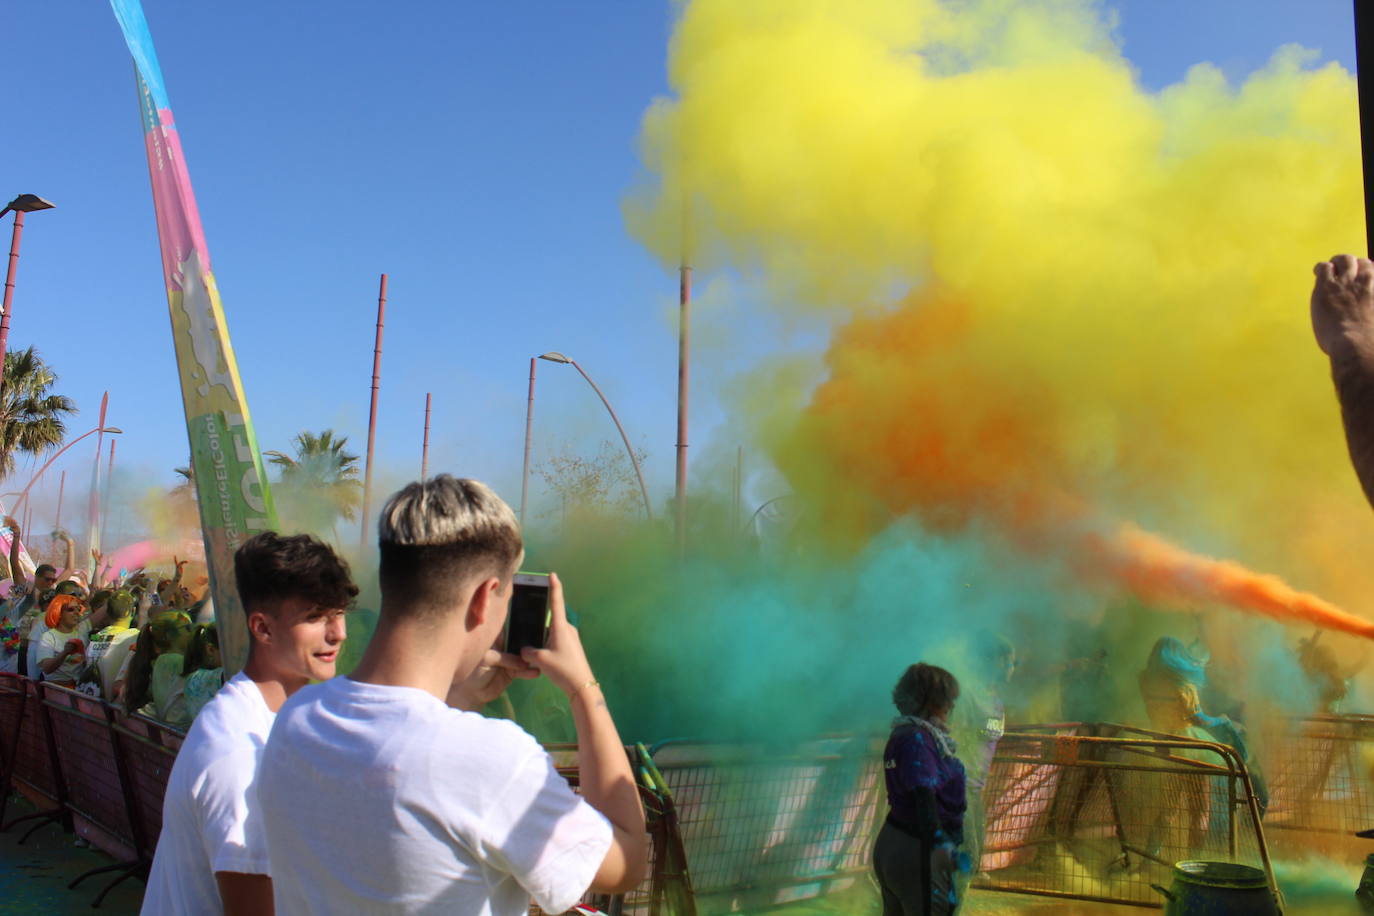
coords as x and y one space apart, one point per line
270 568
925 690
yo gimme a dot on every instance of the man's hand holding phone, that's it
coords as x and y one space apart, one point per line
489 680
562 658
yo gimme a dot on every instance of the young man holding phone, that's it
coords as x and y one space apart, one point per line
212 854
421 807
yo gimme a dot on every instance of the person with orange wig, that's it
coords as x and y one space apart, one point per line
62 648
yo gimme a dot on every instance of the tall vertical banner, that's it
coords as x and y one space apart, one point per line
231 488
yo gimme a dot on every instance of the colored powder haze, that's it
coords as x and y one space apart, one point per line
1070 361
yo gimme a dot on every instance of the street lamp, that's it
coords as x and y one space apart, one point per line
24 493
24 203
556 357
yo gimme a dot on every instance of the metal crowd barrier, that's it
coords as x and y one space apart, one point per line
1320 772
30 755
86 764
1102 812
763 827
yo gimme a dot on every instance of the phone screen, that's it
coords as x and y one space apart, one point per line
528 621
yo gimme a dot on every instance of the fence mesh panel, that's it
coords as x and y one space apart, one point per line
1320 773
767 826
1103 812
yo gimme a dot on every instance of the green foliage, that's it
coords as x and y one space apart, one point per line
319 484
32 420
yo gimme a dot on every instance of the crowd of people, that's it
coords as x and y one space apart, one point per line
133 639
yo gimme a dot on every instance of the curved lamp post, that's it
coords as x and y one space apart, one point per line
556 357
24 493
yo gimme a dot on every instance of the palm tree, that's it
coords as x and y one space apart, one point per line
320 483
31 420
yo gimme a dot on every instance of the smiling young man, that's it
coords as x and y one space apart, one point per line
212 854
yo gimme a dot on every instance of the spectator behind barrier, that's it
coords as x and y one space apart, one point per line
38 623
915 856
203 671
154 687
62 648
212 855
442 810
110 646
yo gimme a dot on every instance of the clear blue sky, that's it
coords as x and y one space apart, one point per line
476 152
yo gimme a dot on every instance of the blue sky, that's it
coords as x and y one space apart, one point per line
476 152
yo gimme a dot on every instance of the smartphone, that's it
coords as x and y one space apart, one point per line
527 624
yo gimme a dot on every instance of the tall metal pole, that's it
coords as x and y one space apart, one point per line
644 491
424 449
372 414
61 491
1364 77
9 286
684 352
529 421
93 505
109 483
739 486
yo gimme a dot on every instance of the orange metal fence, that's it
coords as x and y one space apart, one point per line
1102 812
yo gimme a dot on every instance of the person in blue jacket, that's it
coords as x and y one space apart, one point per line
917 852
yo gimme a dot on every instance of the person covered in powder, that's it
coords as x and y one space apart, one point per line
978 726
916 855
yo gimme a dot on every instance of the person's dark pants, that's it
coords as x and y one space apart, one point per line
915 879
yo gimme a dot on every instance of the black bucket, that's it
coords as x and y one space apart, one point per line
1218 889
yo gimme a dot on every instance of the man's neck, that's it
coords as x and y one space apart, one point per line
275 686
406 655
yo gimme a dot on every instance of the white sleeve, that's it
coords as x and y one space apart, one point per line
545 835
48 647
231 821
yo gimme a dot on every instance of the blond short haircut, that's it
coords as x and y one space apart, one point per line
436 537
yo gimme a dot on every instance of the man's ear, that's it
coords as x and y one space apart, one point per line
483 602
260 627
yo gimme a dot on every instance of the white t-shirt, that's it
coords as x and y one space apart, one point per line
107 651
382 799
210 819
51 644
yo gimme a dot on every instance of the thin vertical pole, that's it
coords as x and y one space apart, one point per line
9 286
684 350
61 491
424 449
739 485
93 503
529 427
1364 80
109 484
372 414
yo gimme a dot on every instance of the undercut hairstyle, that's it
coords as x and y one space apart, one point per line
925 690
270 568
437 537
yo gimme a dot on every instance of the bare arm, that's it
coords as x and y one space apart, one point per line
245 895
49 665
16 573
606 780
1343 322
